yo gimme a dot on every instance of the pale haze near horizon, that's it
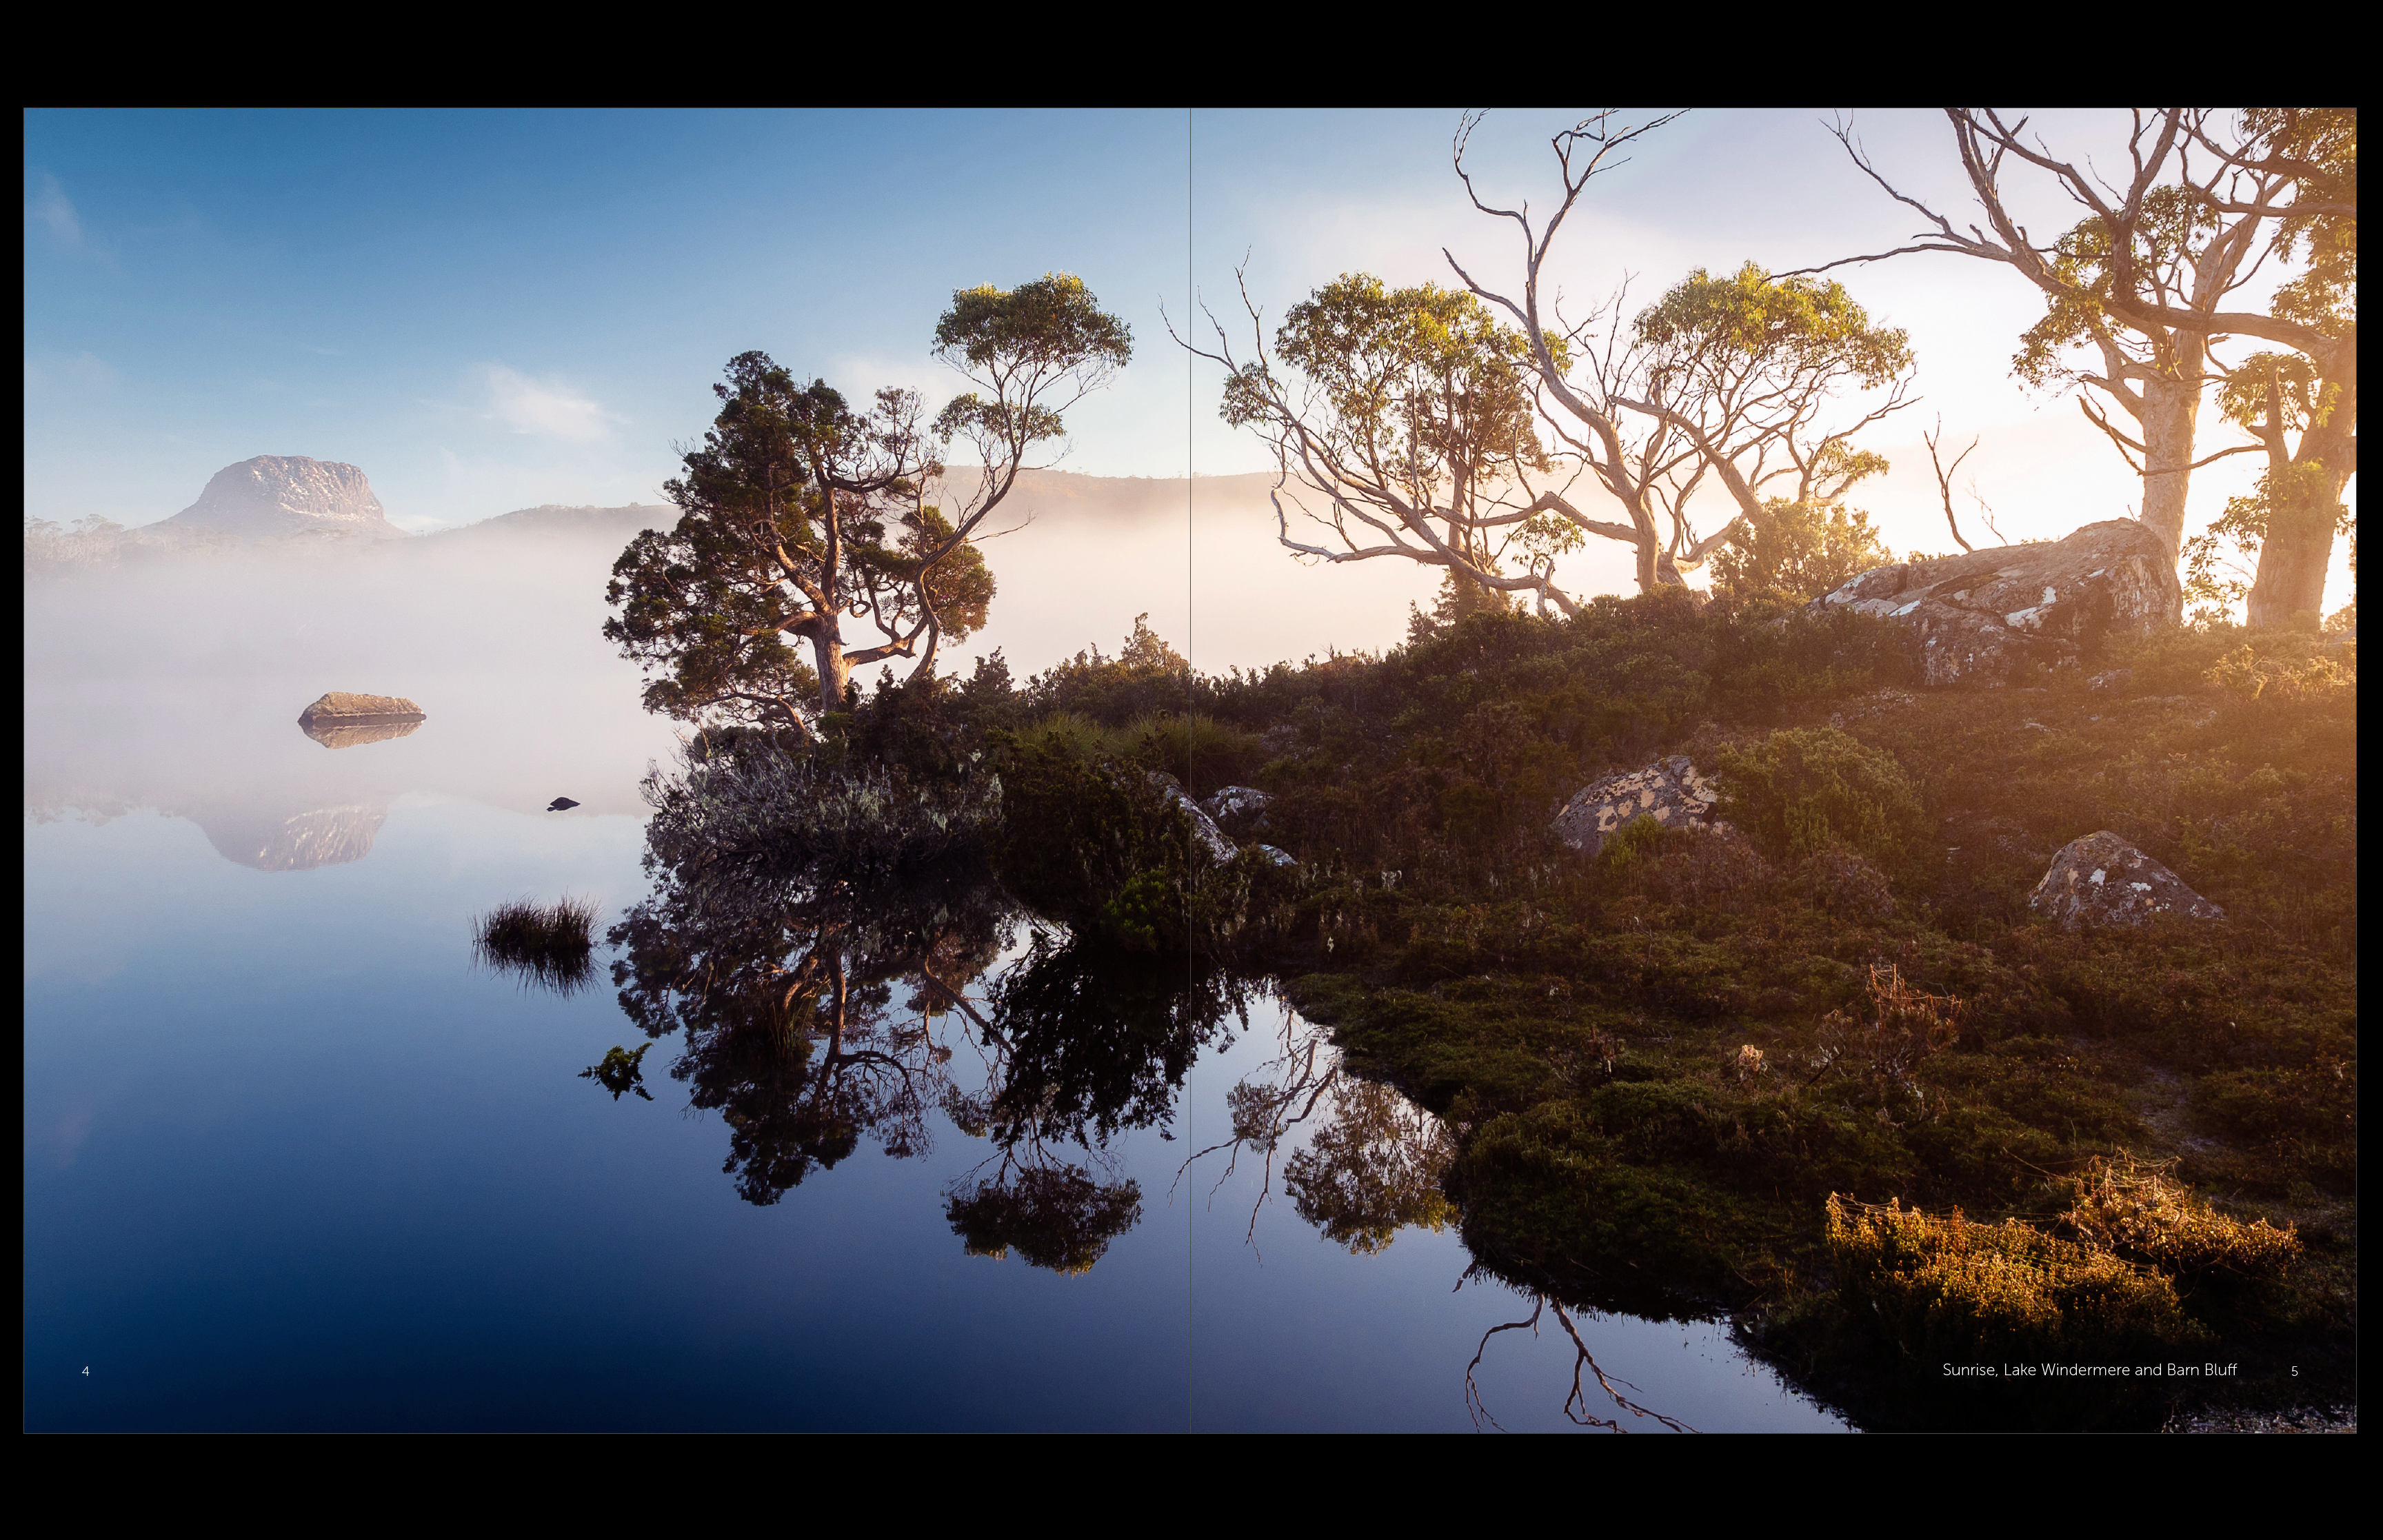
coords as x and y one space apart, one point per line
488 312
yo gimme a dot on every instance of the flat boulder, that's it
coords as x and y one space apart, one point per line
1985 617
2101 880
1670 791
338 706
343 721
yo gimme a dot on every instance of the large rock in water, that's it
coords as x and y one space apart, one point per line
2101 880
1986 616
1670 793
276 494
339 720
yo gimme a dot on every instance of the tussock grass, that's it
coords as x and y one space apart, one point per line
549 944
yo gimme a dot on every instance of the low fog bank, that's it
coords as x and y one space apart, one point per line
1081 558
228 755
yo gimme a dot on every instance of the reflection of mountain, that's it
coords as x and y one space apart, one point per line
222 753
333 734
299 842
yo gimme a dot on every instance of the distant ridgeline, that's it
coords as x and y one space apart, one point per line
288 503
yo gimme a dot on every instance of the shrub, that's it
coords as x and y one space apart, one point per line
1800 788
1949 1290
1836 880
1802 551
1091 841
1202 753
2135 1209
1705 867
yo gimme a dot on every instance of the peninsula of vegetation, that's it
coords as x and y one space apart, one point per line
1930 964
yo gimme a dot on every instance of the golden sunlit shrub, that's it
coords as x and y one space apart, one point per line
1946 1288
2136 1208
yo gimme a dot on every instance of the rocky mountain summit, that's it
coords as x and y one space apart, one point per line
276 494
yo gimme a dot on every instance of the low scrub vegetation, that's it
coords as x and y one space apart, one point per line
1657 1066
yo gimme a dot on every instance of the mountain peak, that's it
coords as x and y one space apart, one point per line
276 494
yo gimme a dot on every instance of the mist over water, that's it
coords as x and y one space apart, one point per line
294 1161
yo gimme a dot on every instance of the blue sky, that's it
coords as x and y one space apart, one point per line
490 310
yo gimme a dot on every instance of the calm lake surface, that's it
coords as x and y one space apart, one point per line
294 1161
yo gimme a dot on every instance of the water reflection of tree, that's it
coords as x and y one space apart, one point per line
788 903
1372 1166
823 940
1085 1043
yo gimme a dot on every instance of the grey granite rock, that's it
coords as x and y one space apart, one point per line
1670 791
1206 835
1241 809
1984 617
2101 880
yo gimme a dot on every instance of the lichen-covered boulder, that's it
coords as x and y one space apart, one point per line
1238 808
1205 836
2101 880
1984 617
1670 791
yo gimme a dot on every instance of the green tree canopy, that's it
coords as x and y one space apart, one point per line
803 516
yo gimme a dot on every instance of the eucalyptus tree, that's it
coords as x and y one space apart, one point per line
1738 377
2159 271
801 513
1403 425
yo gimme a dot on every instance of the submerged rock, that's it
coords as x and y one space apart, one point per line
331 732
1986 616
1670 791
2101 880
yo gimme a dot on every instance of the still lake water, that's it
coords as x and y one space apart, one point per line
293 1162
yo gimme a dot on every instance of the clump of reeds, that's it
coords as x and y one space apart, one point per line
549 944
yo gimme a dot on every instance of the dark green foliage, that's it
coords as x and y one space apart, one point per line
1096 844
1062 1219
621 1071
1801 789
1799 553
1146 679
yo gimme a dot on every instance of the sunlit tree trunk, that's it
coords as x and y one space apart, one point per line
2305 504
2171 414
